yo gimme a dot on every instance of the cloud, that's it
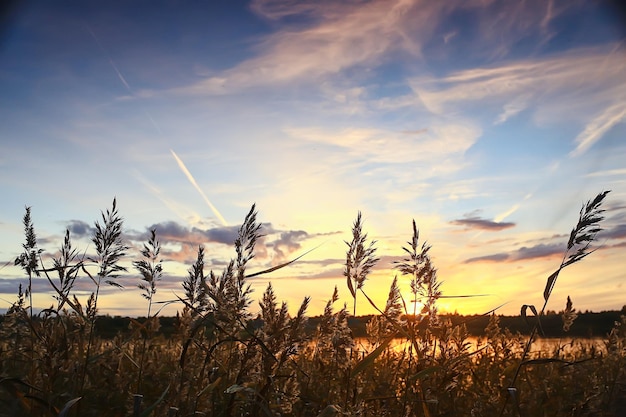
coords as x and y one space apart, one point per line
282 242
169 230
80 229
334 37
475 222
614 224
185 253
583 70
614 230
10 285
226 235
437 144
314 40
180 243
290 239
599 125
541 250
290 242
186 239
570 86
279 9
286 244
512 108
322 262
173 231
497 257
323 274
320 38
607 173
619 245
617 232
538 251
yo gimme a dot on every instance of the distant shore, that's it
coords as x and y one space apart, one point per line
586 325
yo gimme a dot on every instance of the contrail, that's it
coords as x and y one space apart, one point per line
117 71
154 123
193 182
178 160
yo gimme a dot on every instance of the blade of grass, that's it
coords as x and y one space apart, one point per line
369 360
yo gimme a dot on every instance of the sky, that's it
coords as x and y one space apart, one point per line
490 123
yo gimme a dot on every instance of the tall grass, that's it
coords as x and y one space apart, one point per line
151 270
578 247
224 360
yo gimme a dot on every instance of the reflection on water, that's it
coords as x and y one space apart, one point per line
545 346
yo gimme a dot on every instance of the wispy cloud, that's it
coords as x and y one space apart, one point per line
580 71
599 125
517 105
570 86
337 37
435 145
609 173
332 37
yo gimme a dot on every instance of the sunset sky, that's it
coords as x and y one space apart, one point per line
488 122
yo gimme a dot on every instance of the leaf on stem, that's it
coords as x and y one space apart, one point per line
550 284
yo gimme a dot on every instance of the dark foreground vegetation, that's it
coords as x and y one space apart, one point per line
215 358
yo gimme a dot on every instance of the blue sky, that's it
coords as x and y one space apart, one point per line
488 123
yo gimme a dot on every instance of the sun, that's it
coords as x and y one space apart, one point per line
414 307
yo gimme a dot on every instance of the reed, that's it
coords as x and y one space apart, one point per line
224 360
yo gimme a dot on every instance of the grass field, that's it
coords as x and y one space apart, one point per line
217 363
